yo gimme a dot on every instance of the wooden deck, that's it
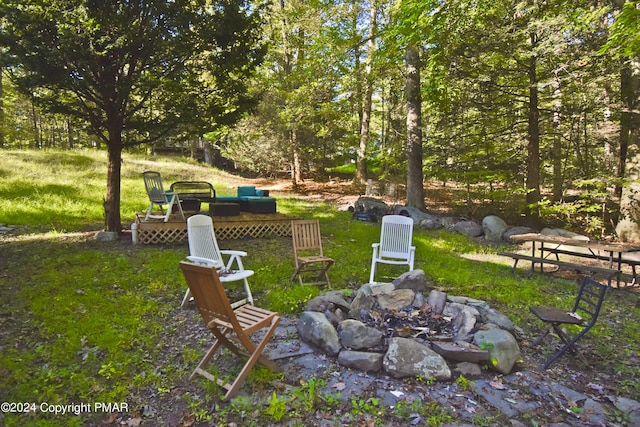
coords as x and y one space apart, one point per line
226 227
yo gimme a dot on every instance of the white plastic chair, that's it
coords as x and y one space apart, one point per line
158 196
203 249
395 243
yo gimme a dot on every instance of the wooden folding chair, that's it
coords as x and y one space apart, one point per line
395 245
222 320
307 251
584 314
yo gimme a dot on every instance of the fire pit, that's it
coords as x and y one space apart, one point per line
411 322
404 329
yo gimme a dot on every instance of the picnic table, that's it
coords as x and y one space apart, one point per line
609 254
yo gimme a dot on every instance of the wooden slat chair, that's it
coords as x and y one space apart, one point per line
395 247
203 249
229 325
308 253
583 315
158 196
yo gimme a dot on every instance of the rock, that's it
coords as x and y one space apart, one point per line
503 348
371 206
324 301
491 315
460 351
437 300
468 369
396 299
107 236
413 280
493 227
362 303
407 358
514 231
314 328
380 288
356 335
416 214
366 361
448 222
563 233
468 228
431 223
332 318
464 318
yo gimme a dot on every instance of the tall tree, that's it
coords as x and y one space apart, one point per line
368 82
415 185
2 115
133 70
624 41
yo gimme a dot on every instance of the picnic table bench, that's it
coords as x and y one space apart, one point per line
581 248
591 270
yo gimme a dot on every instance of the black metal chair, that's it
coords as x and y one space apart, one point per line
583 315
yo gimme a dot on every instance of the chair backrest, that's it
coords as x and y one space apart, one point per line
396 236
202 239
589 300
153 185
306 236
208 293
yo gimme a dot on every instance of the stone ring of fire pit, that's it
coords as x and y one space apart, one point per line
395 328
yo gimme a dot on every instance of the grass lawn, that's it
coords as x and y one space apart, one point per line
87 322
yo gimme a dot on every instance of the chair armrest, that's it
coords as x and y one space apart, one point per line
234 256
233 253
205 261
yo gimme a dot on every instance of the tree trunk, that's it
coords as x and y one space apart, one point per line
415 188
557 144
114 168
365 117
296 174
532 215
628 227
2 116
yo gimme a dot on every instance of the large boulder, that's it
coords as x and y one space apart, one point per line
363 360
493 228
503 348
357 336
371 206
314 328
396 299
407 358
468 228
413 280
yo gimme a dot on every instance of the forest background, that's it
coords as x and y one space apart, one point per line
532 101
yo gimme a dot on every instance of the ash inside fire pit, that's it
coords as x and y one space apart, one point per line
411 322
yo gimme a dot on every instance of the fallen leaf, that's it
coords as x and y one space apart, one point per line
110 419
339 386
496 385
134 422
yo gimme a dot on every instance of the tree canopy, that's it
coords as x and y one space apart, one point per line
133 71
536 98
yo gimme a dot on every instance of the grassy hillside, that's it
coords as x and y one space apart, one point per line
64 191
